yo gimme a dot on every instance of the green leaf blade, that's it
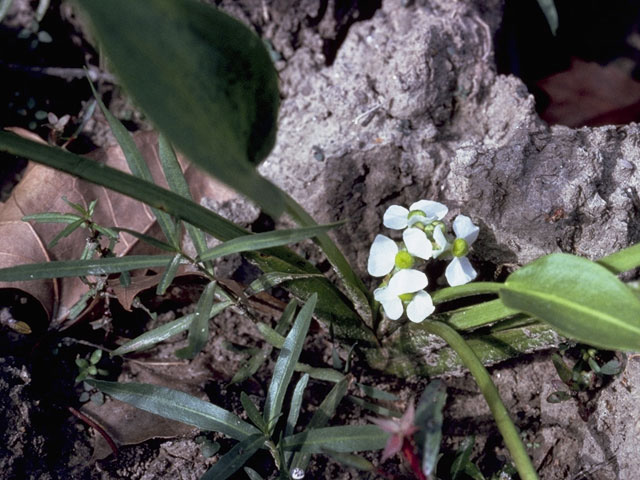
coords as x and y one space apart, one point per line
235 458
199 328
178 406
579 298
344 439
207 70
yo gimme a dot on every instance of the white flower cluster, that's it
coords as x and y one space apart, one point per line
424 237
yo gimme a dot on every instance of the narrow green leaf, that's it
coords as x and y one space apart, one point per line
169 274
252 366
79 268
273 279
374 407
296 405
283 370
260 241
351 460
253 413
376 393
344 439
623 260
468 290
178 183
463 457
137 165
252 474
579 298
52 217
320 418
286 319
429 421
199 328
325 374
548 7
154 242
269 334
161 333
178 406
480 315
564 372
233 460
65 232
207 82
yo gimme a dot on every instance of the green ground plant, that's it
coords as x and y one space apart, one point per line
208 85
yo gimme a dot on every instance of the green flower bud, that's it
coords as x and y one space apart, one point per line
404 260
459 248
416 213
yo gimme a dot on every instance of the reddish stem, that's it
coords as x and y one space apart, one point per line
100 430
410 454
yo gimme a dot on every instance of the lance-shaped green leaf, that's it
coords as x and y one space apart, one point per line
345 439
429 419
252 412
333 307
252 474
579 298
168 330
260 241
203 78
273 279
233 460
138 167
199 328
168 275
285 365
178 406
320 418
52 217
623 260
78 268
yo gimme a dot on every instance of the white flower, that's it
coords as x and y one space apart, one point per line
423 211
385 254
460 271
441 241
400 287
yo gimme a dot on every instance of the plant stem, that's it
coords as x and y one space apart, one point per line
490 392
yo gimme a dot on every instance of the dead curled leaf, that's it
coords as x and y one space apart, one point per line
42 189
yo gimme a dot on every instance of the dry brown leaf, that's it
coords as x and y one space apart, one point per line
41 190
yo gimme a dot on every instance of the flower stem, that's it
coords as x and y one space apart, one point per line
490 392
409 453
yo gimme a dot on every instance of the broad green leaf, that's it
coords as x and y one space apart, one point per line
429 421
206 81
296 404
169 274
580 299
260 241
252 412
138 167
178 406
333 306
321 417
233 460
79 268
284 368
273 279
344 439
161 333
52 217
178 183
623 260
199 328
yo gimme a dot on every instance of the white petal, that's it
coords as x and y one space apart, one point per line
382 256
441 240
464 228
459 271
383 294
418 218
393 308
395 217
433 210
417 243
407 281
420 307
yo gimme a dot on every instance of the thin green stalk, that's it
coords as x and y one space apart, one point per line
490 392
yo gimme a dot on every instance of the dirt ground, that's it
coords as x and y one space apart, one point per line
384 102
